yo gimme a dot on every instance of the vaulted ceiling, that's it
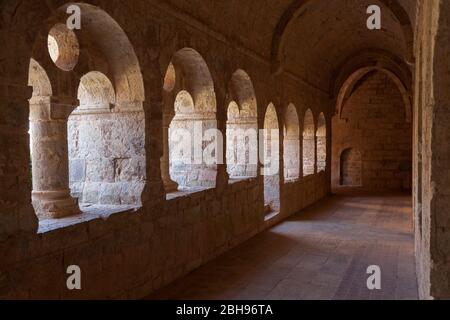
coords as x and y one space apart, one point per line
309 38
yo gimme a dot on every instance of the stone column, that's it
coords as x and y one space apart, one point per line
169 184
50 157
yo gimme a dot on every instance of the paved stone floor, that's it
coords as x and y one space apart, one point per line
320 253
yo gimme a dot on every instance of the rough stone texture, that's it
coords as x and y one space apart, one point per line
431 151
321 148
242 149
372 140
185 168
107 158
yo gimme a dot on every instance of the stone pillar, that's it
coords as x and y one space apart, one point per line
16 213
50 157
169 184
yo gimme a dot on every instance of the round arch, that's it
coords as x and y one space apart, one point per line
189 108
347 89
39 80
96 92
241 90
242 127
105 37
188 71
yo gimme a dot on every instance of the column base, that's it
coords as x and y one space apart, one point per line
54 204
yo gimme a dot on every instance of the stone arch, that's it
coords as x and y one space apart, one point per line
370 57
184 104
110 120
96 93
373 120
241 90
309 158
119 52
104 46
351 168
321 137
192 74
189 114
349 85
106 148
38 80
242 127
271 161
291 144
63 47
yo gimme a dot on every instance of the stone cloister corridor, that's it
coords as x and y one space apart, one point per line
320 253
226 149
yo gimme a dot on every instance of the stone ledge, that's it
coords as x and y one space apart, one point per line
186 192
89 213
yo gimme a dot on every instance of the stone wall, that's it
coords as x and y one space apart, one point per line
129 254
107 158
431 149
373 122
292 157
189 147
351 168
242 149
321 153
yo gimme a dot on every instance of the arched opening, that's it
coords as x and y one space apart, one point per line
63 47
309 145
242 128
271 161
42 161
99 118
321 137
291 145
191 153
106 148
351 168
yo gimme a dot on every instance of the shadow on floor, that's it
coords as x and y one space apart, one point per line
322 252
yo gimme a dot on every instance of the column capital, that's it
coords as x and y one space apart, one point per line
52 108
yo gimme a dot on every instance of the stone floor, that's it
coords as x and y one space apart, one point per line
320 253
